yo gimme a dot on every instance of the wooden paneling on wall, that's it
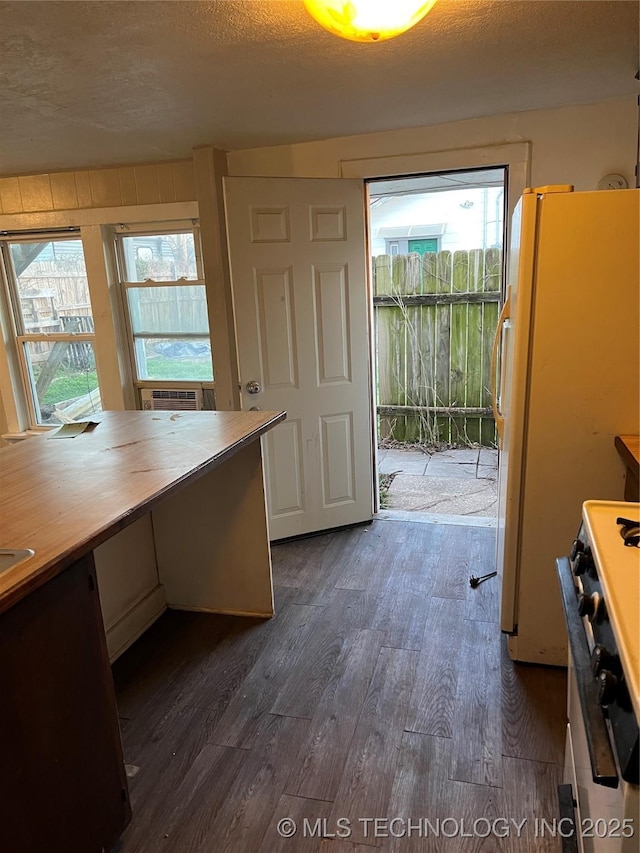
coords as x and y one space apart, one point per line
156 183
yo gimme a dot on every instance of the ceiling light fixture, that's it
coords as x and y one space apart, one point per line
368 20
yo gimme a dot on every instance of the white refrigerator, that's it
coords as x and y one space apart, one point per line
567 345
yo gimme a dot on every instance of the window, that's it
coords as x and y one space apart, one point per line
53 322
166 305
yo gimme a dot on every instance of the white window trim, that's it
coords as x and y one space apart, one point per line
13 397
144 213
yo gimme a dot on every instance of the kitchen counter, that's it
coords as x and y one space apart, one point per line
628 447
144 511
64 497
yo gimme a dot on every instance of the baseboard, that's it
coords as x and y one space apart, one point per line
251 613
530 651
135 622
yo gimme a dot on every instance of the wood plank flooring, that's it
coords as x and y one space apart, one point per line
381 689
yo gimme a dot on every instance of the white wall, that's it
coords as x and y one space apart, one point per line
569 145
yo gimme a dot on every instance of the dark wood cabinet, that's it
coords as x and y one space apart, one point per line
62 778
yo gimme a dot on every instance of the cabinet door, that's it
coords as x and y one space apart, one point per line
63 782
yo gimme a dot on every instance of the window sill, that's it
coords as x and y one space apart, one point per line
13 437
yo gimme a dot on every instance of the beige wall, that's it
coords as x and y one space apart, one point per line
570 145
576 145
153 183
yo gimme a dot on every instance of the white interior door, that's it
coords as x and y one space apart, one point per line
297 251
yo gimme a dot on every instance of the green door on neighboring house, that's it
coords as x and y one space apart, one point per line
427 244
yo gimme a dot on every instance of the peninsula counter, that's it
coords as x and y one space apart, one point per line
146 510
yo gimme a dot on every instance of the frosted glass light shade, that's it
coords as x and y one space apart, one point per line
368 20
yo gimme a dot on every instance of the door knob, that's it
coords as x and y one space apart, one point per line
253 387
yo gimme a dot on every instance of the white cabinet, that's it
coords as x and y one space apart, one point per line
130 593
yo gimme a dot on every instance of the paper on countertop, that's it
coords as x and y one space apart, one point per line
74 429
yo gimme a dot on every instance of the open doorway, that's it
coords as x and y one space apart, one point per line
437 260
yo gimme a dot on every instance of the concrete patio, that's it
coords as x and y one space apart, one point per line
456 485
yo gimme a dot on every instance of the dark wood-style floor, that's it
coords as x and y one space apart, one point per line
381 689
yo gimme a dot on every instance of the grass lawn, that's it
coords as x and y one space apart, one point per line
185 369
68 385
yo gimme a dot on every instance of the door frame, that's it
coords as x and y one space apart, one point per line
515 158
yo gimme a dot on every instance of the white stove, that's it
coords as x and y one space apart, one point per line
600 584
618 567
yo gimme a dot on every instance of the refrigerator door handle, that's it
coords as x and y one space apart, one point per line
505 315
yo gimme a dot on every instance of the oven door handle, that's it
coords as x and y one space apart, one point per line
603 765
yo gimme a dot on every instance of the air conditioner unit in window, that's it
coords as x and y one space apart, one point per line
171 399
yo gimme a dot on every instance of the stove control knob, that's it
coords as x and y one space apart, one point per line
589 605
607 687
601 659
583 563
576 548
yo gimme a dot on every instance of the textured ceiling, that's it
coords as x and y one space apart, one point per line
90 83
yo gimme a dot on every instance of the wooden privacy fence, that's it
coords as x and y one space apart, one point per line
171 309
435 319
63 282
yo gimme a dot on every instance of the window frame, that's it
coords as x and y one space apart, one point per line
112 359
15 318
156 229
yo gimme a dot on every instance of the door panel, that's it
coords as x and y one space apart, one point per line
297 252
276 328
283 470
337 459
332 324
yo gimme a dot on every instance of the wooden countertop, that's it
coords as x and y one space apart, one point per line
64 497
629 448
